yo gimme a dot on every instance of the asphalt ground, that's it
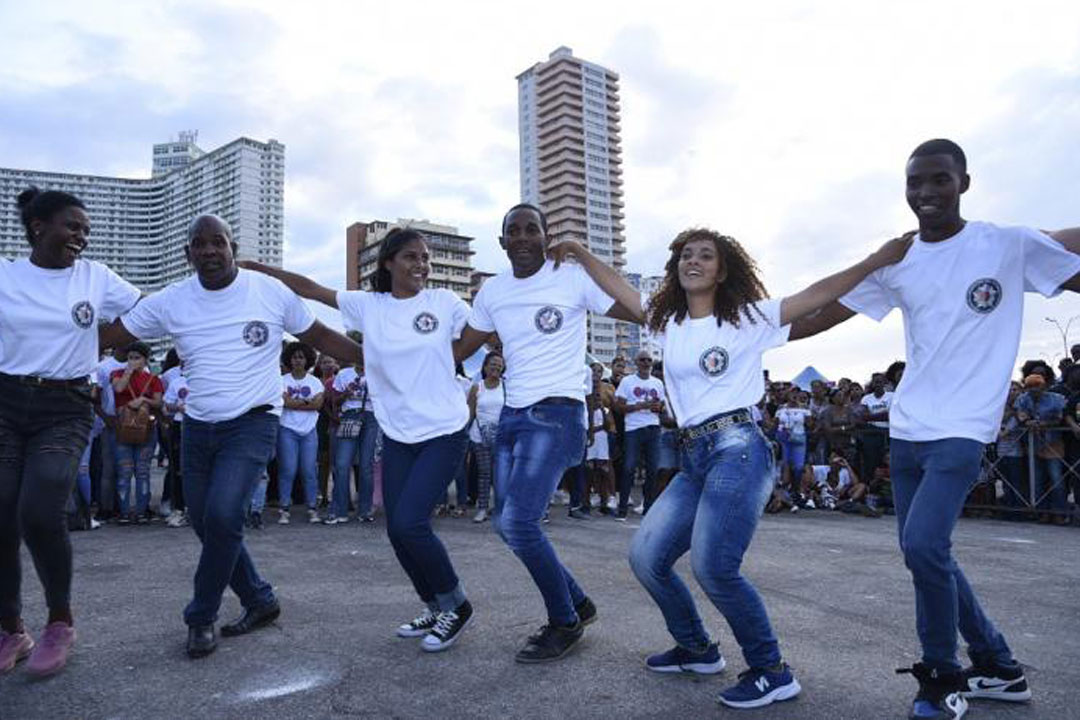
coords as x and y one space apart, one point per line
839 596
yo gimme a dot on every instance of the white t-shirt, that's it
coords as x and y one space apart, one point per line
793 420
102 376
489 405
634 390
230 339
821 477
875 405
963 303
712 369
354 387
541 322
176 393
169 375
300 421
409 361
49 318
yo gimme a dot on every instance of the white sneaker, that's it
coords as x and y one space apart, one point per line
810 505
794 509
174 519
313 516
335 520
283 517
639 509
613 503
480 516
165 509
95 524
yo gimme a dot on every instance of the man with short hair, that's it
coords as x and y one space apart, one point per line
874 435
961 290
640 397
228 326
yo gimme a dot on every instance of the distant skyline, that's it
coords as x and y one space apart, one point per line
785 125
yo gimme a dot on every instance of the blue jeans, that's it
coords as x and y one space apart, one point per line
297 452
710 508
640 444
347 453
931 481
534 446
222 463
793 454
415 476
134 459
1050 484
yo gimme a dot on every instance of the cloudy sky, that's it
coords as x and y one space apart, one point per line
785 125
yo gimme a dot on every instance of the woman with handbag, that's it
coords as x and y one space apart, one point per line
138 398
49 307
354 445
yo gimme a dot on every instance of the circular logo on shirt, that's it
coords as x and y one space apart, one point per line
182 393
305 391
82 313
425 323
984 295
714 361
548 319
256 333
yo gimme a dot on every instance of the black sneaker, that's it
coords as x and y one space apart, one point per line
447 628
994 681
621 515
586 611
257 521
939 694
551 643
418 626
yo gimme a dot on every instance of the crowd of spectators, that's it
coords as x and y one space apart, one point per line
830 442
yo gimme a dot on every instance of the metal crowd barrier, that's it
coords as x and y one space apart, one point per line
1025 500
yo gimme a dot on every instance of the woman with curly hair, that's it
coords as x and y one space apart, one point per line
298 440
715 320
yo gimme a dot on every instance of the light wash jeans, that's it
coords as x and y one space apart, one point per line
296 452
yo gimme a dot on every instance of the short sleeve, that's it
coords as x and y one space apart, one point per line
298 316
339 382
592 296
871 297
458 311
120 295
352 303
772 333
480 316
156 386
314 384
1047 264
149 318
623 390
172 393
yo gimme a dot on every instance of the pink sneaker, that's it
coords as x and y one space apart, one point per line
13 648
51 653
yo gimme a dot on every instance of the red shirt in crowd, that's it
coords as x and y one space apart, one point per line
137 386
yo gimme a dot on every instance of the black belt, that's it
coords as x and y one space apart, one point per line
559 401
259 409
35 381
720 422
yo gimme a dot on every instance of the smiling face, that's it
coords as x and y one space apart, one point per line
59 240
700 266
524 241
934 186
494 366
409 268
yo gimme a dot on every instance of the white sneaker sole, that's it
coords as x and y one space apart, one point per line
696 668
784 692
1000 694
439 645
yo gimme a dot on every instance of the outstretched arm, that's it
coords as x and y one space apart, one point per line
303 286
830 289
627 299
818 322
331 343
1070 238
470 341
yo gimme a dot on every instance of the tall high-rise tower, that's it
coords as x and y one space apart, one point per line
571 163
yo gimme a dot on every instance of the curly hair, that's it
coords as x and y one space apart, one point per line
737 293
292 348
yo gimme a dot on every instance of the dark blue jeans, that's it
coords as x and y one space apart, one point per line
711 509
42 435
930 482
534 446
222 462
355 452
415 476
642 444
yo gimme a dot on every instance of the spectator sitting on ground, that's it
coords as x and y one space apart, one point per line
880 495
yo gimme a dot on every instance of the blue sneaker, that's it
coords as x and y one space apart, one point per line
679 659
938 697
758 687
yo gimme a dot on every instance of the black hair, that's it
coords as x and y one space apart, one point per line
290 350
487 358
1069 373
526 206
35 204
139 347
1038 366
390 247
940 146
172 359
893 370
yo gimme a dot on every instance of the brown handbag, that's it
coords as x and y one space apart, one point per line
133 427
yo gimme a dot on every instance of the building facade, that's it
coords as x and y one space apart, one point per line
451 254
139 225
571 164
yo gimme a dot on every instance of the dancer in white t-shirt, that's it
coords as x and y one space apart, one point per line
538 309
961 291
50 304
715 321
228 324
408 332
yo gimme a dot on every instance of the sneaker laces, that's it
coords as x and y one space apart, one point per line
424 619
444 624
